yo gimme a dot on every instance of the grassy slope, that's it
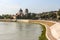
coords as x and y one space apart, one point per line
43 35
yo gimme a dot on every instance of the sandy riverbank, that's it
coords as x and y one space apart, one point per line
55 30
48 25
7 20
52 28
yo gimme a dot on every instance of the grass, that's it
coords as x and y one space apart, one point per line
43 35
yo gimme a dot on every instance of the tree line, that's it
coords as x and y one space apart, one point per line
52 15
20 15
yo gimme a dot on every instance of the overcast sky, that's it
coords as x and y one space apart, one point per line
12 6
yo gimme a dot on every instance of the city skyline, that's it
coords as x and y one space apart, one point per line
37 6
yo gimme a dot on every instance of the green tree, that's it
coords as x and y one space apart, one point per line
59 12
6 16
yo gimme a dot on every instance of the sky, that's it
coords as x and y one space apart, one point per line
36 6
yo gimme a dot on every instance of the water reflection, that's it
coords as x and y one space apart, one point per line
19 31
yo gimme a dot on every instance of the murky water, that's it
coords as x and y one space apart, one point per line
19 31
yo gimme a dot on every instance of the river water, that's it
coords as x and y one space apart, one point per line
19 31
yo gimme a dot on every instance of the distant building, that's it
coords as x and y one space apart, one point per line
21 12
26 11
14 16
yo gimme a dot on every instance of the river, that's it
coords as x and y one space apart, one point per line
19 31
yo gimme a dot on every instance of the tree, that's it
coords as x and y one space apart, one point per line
6 16
1 17
59 12
29 16
33 16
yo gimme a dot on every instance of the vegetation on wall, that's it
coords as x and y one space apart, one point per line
43 35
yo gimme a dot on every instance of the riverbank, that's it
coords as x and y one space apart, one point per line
52 27
47 25
7 20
